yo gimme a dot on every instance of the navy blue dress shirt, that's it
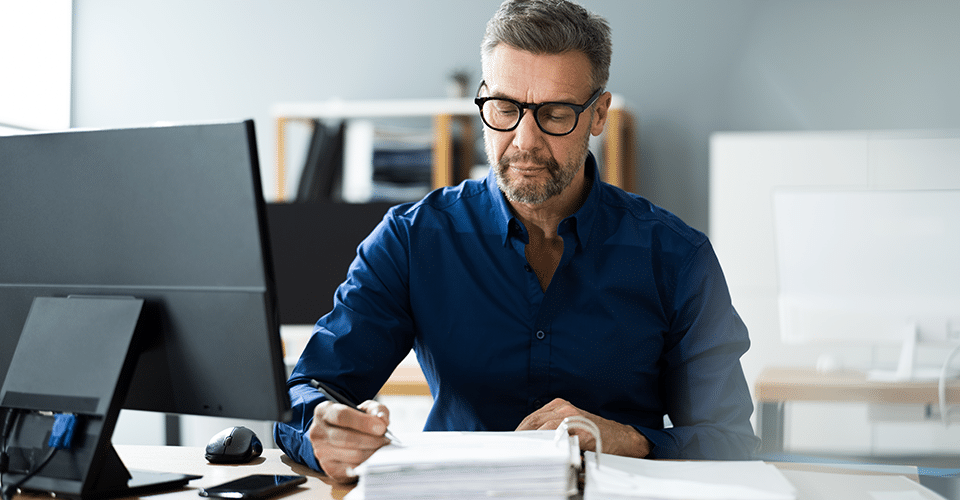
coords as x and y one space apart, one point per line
637 322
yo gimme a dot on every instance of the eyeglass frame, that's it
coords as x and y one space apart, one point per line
534 107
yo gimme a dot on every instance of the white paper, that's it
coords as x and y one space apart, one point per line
468 465
622 477
817 485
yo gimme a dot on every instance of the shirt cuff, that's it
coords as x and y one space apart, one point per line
662 444
295 444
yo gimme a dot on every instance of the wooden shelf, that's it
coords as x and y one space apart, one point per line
406 380
450 116
444 112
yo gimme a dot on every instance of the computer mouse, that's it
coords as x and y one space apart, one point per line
234 445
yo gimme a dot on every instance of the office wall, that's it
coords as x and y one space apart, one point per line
687 67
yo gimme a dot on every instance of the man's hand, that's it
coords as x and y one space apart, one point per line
343 438
618 439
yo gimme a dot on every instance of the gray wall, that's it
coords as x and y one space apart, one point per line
686 67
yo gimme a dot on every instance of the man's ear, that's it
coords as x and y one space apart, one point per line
600 115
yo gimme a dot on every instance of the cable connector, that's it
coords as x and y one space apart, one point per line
61 436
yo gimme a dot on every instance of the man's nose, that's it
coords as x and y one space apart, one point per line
527 134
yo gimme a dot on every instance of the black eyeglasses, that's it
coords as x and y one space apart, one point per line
553 118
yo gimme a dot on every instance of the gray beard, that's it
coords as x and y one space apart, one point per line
533 193
519 191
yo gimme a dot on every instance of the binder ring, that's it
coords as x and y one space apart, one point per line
582 423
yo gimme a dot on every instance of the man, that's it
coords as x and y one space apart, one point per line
537 293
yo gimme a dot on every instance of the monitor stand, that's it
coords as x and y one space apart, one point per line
907 369
76 355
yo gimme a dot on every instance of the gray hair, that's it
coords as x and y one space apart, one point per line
551 27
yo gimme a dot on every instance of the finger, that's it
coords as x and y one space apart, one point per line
376 409
556 404
340 472
349 455
343 416
531 422
557 409
341 438
330 429
549 425
339 450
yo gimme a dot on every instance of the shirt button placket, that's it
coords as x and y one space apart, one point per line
539 366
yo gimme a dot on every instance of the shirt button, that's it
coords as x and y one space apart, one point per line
537 404
541 335
527 268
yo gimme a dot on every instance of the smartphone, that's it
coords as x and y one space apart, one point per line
253 486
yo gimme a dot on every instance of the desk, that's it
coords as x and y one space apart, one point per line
777 386
810 480
190 460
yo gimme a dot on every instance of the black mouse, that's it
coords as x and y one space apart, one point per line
234 445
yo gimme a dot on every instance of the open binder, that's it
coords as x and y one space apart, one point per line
632 478
627 478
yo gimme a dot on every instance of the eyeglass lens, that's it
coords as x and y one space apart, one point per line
557 119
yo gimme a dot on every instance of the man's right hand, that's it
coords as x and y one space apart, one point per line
343 438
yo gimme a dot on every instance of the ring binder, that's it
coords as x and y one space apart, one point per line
582 423
625 478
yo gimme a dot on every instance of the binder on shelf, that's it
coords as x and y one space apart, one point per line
358 161
323 168
386 163
402 164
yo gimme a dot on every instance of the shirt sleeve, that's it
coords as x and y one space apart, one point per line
707 397
357 345
291 436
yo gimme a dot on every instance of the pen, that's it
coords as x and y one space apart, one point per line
340 398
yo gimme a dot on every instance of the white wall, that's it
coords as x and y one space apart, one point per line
38 96
687 67
745 169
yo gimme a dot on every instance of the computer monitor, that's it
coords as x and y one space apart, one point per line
870 267
156 238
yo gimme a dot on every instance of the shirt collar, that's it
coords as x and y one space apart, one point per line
581 220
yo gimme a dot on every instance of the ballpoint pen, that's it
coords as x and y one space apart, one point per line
333 395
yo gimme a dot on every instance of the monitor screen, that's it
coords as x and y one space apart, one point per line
868 266
170 215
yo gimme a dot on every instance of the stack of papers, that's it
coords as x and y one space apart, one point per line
471 465
631 478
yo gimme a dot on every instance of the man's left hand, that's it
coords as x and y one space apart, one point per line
618 439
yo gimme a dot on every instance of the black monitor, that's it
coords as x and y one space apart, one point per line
135 272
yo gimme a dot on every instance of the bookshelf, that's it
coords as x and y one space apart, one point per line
451 118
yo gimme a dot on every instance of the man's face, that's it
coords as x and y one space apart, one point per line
530 165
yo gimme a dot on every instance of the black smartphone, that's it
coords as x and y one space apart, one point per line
253 486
